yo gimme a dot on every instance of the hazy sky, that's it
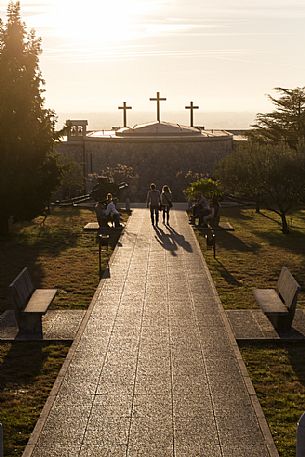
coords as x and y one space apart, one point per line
225 55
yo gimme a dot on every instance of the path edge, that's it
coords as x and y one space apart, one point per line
31 444
262 421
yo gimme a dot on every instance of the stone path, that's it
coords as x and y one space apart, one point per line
155 370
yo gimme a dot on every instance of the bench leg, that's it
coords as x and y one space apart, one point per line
280 323
30 324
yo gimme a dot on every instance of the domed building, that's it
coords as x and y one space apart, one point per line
157 151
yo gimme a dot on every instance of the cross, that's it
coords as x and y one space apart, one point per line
192 107
125 108
158 100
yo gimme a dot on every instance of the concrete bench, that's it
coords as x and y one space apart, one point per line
29 304
279 304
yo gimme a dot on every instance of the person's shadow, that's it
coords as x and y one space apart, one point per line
179 239
172 239
165 240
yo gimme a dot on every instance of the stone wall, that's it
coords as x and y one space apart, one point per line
163 161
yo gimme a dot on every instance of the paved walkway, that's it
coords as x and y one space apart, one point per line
155 370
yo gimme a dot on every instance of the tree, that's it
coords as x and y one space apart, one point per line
286 123
28 168
71 183
272 174
209 187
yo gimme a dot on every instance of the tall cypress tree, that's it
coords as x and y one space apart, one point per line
28 169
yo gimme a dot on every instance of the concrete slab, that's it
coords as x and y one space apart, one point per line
154 369
91 226
225 225
254 325
56 324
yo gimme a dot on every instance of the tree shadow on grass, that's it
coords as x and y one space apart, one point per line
293 242
51 241
296 354
229 241
226 275
21 364
273 219
235 213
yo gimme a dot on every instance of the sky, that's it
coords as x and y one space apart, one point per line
224 55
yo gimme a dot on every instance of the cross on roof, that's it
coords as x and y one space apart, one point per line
125 108
191 108
157 99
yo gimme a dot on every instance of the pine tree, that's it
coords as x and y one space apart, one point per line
28 168
286 123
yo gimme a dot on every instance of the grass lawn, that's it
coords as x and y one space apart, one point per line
278 375
59 255
252 256
27 374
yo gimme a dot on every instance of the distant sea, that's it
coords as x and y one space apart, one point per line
210 120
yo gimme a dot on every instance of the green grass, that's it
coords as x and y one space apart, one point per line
59 255
27 374
252 256
278 374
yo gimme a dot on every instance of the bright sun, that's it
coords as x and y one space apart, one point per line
97 20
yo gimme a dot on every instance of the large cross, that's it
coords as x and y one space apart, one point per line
125 108
192 107
158 99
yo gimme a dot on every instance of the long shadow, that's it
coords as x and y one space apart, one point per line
179 239
226 275
293 242
229 241
295 350
235 213
277 220
296 354
273 219
22 363
23 247
165 240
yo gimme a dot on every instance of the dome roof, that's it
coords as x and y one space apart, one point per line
156 128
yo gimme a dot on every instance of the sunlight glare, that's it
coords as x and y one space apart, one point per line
98 20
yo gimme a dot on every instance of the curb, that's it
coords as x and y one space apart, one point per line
62 372
273 452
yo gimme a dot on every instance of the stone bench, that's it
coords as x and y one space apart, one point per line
279 304
29 304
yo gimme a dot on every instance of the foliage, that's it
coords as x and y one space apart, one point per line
286 123
29 169
271 175
207 186
71 183
119 173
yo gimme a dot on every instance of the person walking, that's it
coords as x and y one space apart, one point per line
166 203
153 202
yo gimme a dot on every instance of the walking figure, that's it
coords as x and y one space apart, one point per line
166 203
153 202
